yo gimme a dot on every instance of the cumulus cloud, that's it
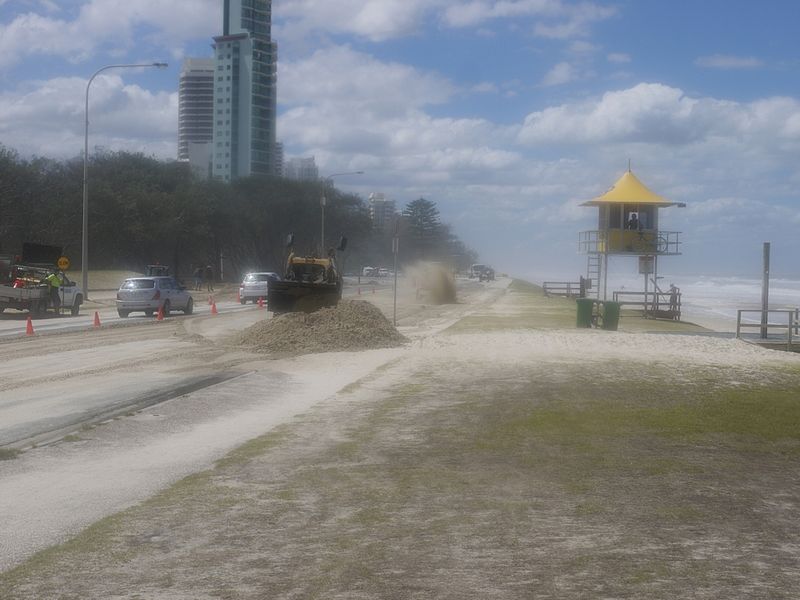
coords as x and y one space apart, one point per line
560 74
379 20
379 87
376 20
46 117
723 61
659 114
114 25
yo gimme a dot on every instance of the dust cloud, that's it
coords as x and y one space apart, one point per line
434 282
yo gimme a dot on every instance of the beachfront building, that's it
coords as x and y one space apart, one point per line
245 56
196 112
628 225
301 169
382 211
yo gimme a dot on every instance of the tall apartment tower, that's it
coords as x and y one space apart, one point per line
195 104
245 84
302 169
381 211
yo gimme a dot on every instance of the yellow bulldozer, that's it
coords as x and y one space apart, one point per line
309 282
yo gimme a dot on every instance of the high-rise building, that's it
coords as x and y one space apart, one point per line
303 169
245 82
279 158
381 211
195 105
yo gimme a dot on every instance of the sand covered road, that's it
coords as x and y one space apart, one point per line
60 387
507 456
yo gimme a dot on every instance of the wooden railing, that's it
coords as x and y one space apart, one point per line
630 241
662 305
792 324
570 289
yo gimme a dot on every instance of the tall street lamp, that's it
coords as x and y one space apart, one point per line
323 201
85 235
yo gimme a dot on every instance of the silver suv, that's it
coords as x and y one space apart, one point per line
255 285
147 294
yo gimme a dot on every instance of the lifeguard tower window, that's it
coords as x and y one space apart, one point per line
615 217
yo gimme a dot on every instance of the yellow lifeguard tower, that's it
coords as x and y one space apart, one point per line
627 225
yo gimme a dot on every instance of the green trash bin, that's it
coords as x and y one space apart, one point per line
585 309
610 316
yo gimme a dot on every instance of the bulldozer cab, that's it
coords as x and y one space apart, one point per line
310 270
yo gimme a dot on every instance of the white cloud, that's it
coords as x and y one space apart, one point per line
659 114
375 20
46 117
560 74
583 47
485 87
115 25
379 20
618 58
578 19
379 87
723 61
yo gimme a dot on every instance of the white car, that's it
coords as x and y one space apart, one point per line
147 294
254 286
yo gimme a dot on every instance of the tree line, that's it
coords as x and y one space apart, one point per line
143 210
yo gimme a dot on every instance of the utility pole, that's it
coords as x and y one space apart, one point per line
395 251
765 293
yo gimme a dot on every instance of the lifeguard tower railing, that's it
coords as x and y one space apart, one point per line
658 304
630 241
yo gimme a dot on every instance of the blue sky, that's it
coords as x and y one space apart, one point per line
506 113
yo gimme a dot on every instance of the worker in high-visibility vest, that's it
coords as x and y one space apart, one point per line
54 281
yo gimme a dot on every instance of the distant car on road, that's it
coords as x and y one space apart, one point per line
147 294
255 285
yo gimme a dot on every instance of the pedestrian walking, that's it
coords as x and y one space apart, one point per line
209 278
198 278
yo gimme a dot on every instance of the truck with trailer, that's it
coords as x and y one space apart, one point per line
22 285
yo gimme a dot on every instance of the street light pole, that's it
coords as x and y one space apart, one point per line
85 230
323 201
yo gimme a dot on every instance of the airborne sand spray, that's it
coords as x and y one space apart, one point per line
434 281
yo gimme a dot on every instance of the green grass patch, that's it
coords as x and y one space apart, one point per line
9 453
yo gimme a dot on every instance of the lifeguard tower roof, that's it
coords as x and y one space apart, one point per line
629 190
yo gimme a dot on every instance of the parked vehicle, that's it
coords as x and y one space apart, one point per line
147 294
157 270
22 285
369 272
256 285
476 270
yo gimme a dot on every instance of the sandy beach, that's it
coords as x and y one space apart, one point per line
501 453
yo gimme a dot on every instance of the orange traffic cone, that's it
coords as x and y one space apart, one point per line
160 314
29 327
214 308
260 302
96 320
210 301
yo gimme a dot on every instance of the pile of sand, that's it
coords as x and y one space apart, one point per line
352 325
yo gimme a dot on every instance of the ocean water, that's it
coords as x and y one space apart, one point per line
713 301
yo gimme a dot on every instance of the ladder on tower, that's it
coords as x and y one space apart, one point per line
594 269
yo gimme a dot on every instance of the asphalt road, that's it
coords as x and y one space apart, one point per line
106 417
